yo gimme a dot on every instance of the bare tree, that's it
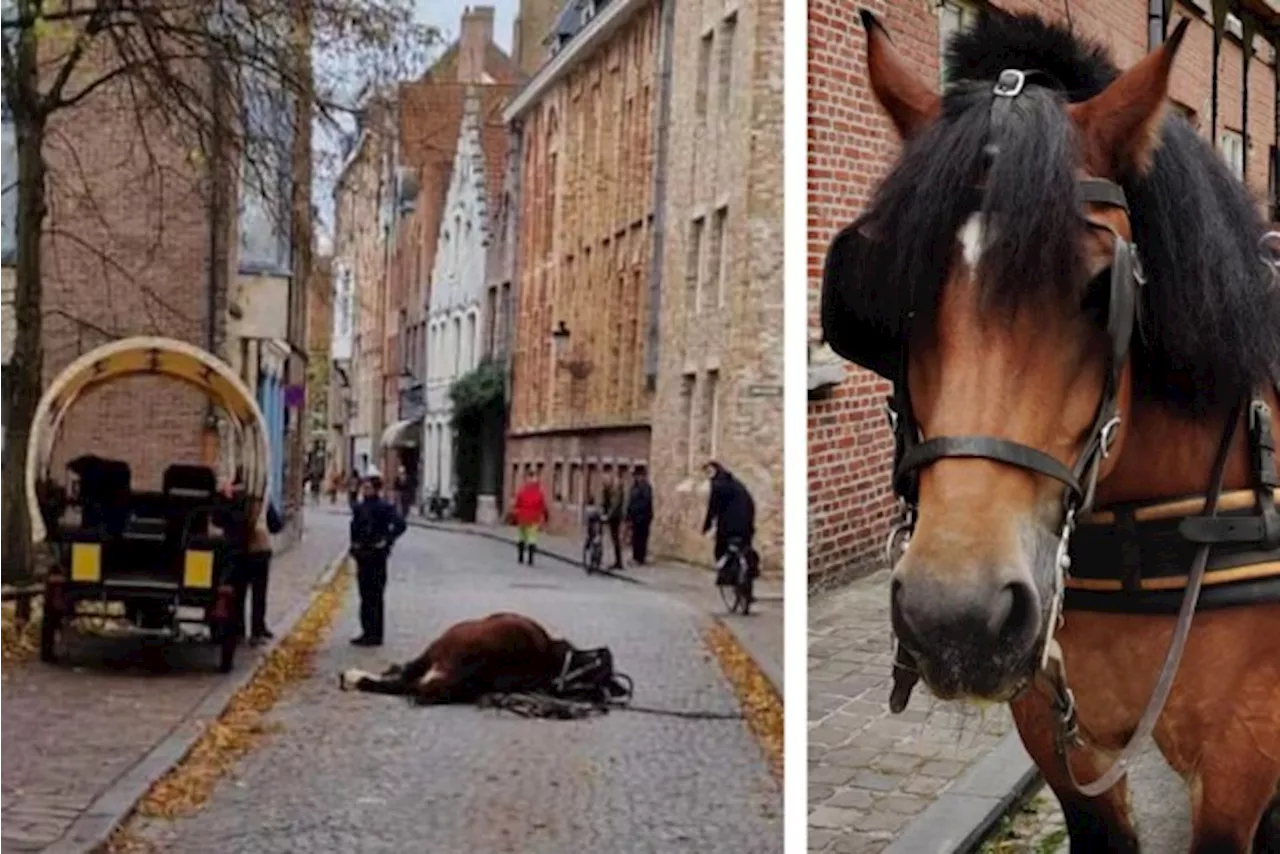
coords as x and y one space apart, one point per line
197 71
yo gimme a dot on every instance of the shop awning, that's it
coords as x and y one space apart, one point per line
403 434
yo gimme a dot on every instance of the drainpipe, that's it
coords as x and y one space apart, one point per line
665 41
1220 9
1246 50
1155 24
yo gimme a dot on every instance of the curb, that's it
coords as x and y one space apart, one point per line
772 670
966 812
95 826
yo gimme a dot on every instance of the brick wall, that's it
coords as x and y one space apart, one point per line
585 251
852 144
721 354
126 252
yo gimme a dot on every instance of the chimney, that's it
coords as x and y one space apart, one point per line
477 33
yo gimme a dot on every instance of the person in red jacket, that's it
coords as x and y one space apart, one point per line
530 511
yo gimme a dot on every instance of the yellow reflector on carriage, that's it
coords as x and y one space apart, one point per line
86 562
198 569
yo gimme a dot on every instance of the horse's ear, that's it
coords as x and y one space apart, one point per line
910 103
1120 126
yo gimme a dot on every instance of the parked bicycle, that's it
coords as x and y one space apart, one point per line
735 580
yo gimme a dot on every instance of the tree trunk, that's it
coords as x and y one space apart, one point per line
26 378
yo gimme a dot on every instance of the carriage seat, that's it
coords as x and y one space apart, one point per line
190 492
104 492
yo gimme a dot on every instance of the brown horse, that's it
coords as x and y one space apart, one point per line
1040 374
498 653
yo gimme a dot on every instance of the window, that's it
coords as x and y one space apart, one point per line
589 486
265 177
469 344
954 16
686 410
456 350
574 497
704 74
557 483
725 83
693 265
710 415
1231 144
10 173
716 254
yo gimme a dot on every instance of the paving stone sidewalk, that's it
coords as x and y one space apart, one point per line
760 633
870 772
69 732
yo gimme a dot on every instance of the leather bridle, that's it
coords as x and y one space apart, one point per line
913 452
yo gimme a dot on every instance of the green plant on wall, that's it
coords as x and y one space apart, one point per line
478 399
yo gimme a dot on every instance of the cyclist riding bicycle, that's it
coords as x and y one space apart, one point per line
732 511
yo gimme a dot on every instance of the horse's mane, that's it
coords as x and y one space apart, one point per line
1211 312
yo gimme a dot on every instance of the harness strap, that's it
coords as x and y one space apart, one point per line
987 447
1061 695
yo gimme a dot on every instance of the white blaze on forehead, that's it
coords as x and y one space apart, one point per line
351 678
432 675
973 240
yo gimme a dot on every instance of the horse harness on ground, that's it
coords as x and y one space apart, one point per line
1133 542
587 686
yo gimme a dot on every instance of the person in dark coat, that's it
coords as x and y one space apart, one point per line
613 511
640 515
731 509
375 526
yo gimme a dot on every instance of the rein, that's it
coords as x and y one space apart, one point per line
913 452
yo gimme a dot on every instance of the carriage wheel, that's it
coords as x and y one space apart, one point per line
227 643
728 595
49 624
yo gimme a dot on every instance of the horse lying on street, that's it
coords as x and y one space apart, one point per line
502 653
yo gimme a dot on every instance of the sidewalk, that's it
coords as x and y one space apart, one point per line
71 732
761 633
927 780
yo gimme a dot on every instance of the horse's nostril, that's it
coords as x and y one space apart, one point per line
1014 616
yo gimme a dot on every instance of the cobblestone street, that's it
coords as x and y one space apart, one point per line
358 772
871 772
72 730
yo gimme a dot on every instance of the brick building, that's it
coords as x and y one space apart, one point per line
362 222
587 269
852 144
138 242
429 122
719 392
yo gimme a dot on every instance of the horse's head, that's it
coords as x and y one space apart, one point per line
1016 346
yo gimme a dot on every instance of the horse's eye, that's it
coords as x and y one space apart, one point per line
1096 302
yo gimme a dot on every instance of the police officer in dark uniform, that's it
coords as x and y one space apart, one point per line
375 526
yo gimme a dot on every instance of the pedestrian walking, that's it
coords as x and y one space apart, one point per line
613 513
353 488
732 510
640 514
530 511
375 527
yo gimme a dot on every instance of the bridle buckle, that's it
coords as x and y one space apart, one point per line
1010 83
